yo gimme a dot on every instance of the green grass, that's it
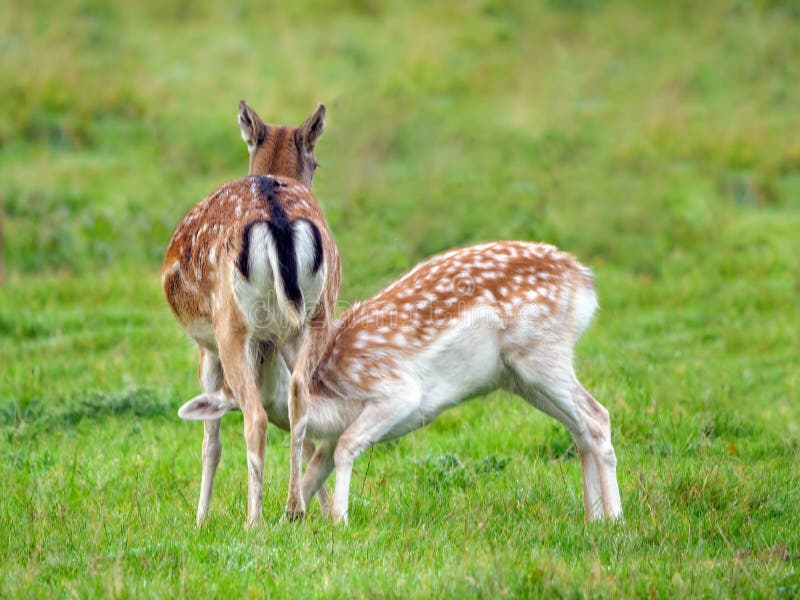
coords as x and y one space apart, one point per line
656 141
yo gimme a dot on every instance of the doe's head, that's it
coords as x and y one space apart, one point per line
279 149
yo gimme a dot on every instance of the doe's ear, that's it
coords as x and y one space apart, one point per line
312 128
251 125
205 407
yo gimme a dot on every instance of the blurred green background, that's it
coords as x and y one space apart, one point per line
627 134
659 142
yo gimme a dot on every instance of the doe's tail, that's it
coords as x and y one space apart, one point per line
281 251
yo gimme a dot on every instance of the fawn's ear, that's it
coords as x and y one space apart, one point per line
312 128
251 125
205 407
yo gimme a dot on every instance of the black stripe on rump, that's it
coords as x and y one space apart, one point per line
280 227
318 254
266 188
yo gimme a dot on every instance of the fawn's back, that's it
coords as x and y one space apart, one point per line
469 321
449 325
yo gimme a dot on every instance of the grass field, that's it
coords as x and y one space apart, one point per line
659 142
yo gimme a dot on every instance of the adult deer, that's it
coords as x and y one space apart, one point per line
500 315
252 273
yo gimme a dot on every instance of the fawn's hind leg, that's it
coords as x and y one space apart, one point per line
558 393
598 459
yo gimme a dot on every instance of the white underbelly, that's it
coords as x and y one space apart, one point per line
463 363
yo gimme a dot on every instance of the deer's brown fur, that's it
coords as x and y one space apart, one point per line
207 281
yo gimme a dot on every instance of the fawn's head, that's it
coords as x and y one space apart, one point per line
281 150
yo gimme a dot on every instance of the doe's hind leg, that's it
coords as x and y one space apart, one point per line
237 354
210 371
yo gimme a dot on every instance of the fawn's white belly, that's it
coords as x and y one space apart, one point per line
463 361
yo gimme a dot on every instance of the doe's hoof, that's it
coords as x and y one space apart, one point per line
295 509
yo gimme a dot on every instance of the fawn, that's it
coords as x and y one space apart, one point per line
252 273
466 322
